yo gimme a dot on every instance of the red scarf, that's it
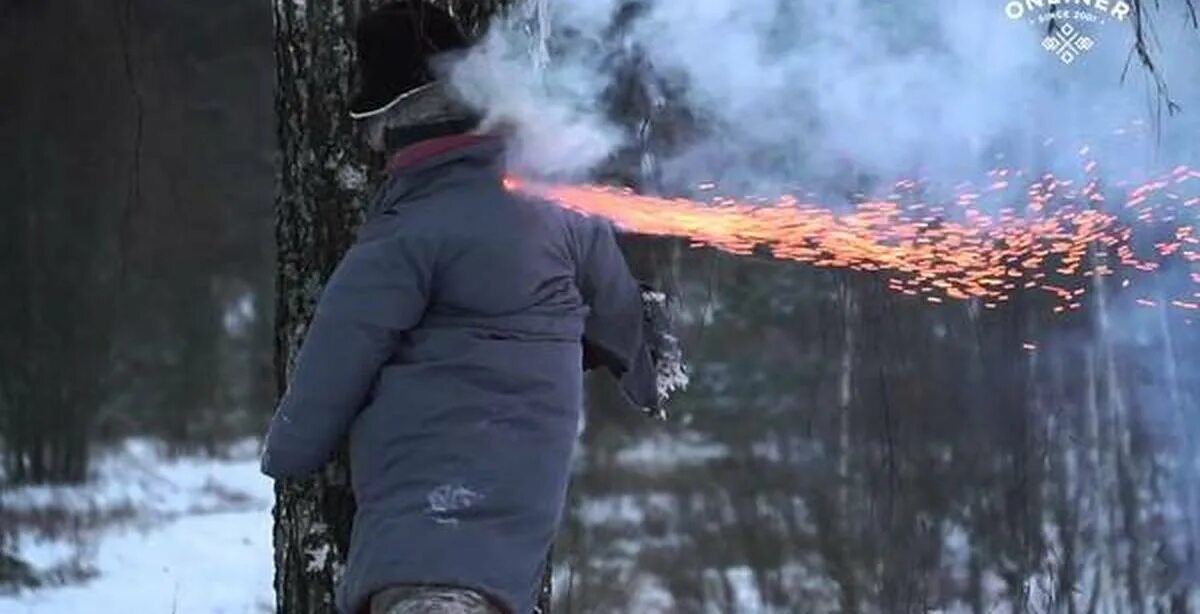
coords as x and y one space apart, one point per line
423 150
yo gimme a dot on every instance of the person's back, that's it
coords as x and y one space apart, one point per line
462 453
449 346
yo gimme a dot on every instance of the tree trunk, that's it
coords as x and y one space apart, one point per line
325 176
322 188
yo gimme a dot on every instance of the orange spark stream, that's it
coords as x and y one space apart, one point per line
1062 238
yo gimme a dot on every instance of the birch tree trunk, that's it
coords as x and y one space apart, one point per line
325 177
323 184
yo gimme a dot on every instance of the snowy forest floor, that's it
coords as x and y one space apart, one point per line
192 535
148 533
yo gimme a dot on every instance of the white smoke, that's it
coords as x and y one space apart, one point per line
553 108
808 89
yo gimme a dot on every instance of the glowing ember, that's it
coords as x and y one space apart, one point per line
971 247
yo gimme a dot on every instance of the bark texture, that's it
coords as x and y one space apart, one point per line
323 185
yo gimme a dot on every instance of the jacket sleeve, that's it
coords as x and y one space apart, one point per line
379 290
614 333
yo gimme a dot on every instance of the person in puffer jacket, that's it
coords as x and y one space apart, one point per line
449 346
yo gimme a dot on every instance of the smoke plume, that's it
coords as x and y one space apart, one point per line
786 92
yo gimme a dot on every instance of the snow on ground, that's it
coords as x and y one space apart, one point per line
662 453
149 534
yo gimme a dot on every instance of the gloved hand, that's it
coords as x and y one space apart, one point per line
665 352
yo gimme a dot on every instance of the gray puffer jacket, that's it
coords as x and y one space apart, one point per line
448 346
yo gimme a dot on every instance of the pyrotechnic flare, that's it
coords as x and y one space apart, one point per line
1062 236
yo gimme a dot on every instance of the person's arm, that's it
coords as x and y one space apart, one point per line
378 291
614 333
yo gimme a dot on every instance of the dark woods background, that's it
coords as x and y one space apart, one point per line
138 176
843 448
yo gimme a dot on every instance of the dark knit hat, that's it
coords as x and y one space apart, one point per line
395 43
